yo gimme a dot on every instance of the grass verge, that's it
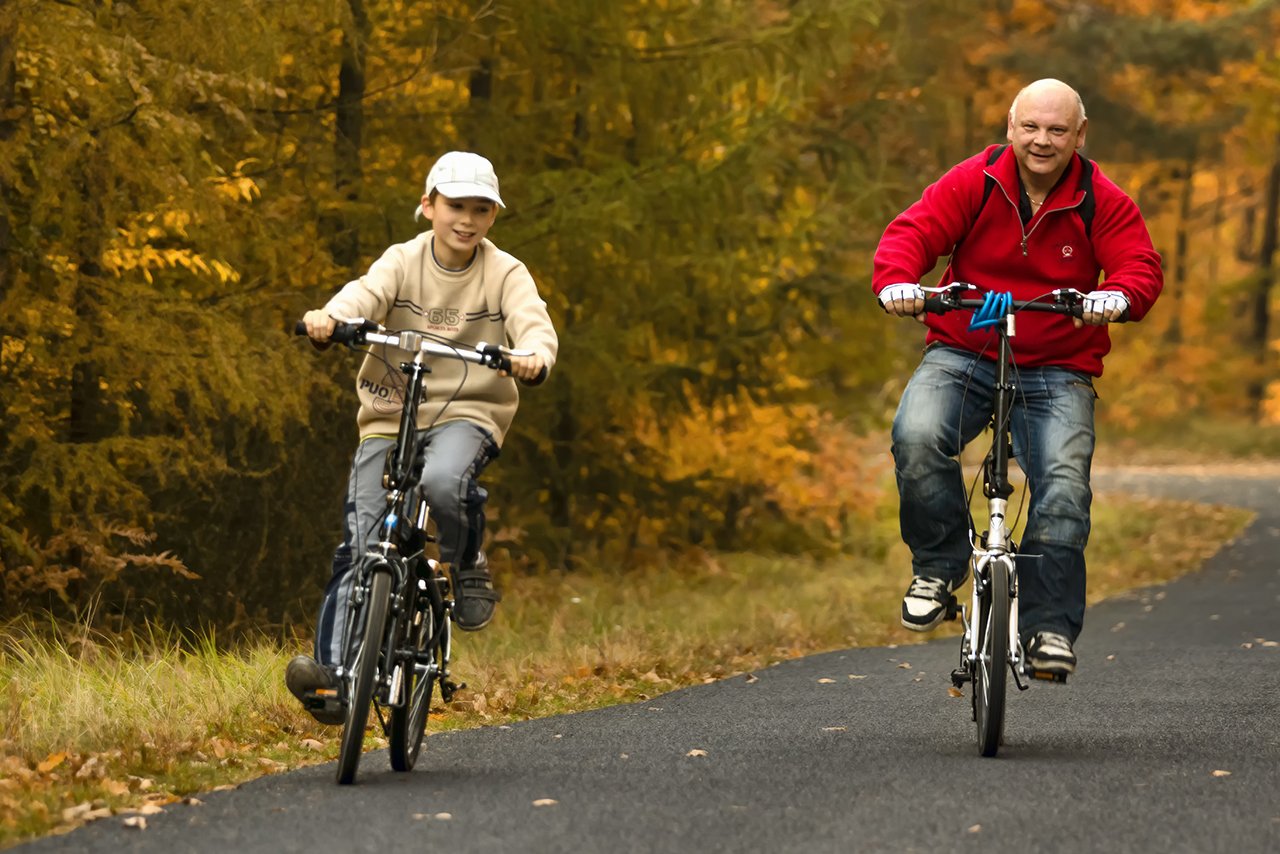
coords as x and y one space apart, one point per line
94 730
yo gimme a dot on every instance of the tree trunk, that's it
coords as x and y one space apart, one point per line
480 93
8 73
1266 277
349 134
1173 334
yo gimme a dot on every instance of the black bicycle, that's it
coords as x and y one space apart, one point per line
397 640
991 647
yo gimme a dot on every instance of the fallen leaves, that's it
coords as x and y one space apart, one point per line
851 676
834 728
136 822
751 677
975 828
825 681
312 744
54 760
696 752
1222 773
545 802
77 811
953 691
904 666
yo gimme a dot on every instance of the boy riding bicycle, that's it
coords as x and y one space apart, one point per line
454 283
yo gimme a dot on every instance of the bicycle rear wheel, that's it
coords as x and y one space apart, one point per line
409 720
364 646
991 673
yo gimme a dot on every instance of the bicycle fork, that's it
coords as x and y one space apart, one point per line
993 546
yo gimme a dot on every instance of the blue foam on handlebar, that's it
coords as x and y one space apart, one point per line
995 305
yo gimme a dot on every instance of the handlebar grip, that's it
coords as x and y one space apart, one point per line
345 333
539 379
935 305
300 328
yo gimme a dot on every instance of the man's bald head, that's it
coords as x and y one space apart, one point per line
1045 92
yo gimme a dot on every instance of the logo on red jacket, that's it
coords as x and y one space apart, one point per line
1068 253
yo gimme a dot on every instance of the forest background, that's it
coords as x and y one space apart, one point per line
697 186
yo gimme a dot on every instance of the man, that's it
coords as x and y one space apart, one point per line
1025 218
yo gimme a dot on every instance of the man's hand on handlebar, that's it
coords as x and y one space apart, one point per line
1101 308
319 324
526 368
903 300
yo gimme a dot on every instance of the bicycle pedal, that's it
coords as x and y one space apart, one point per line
958 678
1045 676
953 609
323 700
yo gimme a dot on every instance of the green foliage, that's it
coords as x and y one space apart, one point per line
698 186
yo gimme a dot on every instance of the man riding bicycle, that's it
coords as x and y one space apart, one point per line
1024 218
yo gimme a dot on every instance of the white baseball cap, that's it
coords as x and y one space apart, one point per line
463 175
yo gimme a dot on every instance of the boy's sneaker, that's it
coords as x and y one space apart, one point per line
304 675
925 604
1050 652
476 600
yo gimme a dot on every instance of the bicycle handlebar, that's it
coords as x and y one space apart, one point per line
359 331
1066 301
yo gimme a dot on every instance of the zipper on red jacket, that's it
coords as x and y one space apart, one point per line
1026 234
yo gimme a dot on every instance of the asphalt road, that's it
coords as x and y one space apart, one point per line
1126 757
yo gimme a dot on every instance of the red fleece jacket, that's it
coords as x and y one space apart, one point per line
999 253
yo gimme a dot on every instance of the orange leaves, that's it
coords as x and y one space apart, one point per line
54 760
804 463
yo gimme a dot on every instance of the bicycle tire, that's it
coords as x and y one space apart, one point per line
990 677
409 721
374 618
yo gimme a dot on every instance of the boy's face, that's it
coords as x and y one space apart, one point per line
460 223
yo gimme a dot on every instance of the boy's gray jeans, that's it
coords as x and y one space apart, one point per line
456 454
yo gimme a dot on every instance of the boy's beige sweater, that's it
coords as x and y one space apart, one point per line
493 300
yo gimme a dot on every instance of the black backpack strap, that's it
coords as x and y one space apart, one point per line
989 185
1090 205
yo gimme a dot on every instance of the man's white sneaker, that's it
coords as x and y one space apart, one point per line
925 604
1050 652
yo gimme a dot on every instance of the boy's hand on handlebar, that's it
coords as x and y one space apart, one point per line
1102 307
319 324
903 300
525 367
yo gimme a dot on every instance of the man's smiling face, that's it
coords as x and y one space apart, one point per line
1045 130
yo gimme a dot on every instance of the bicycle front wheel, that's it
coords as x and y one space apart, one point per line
991 674
365 645
409 720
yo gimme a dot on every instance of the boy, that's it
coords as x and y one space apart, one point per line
453 282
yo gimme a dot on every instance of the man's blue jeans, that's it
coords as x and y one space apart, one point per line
946 405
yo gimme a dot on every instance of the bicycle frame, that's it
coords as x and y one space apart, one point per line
996 543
